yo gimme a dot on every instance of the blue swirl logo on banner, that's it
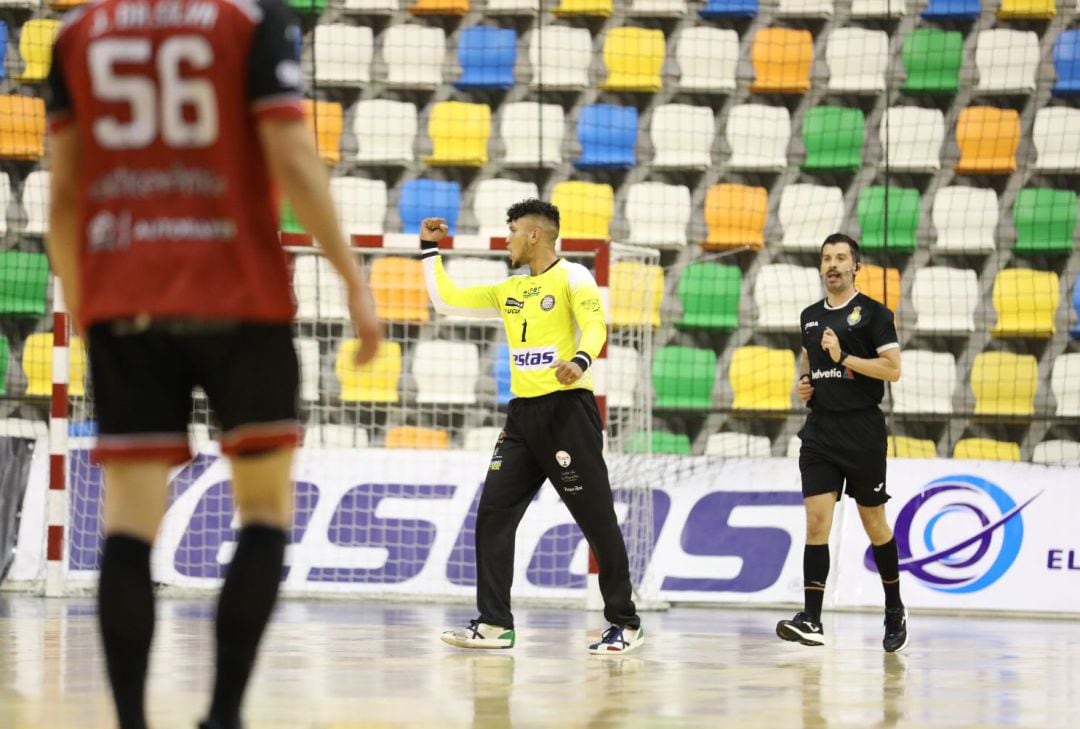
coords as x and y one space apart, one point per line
988 520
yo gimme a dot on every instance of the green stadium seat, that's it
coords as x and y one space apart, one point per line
834 137
307 7
5 350
932 59
902 216
23 279
1045 221
289 223
683 377
660 442
709 293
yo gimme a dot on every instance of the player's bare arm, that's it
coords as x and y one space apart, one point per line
886 366
62 237
804 389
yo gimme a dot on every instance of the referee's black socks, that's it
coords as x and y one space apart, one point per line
887 558
815 572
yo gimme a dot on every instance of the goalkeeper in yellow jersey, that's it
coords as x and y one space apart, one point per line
555 326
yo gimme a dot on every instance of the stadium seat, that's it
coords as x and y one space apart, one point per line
3 55
781 58
808 214
717 9
361 204
616 375
307 7
707 58
37 365
287 218
532 134
487 56
912 138
469 271
343 54
945 300
758 136
988 138
370 7
738 445
833 137
595 8
326 121
932 60
880 284
1045 221
384 131
35 201
608 137
307 351
24 278
1006 60
683 378
459 134
481 439
5 200
35 46
965 219
682 136
1004 383
1056 453
633 58
804 9
491 200
397 285
1074 332
445 372
877 8
585 209
1023 9
735 216
902 446
428 198
709 293
985 449
22 127
330 435
762 378
1065 384
889 218
657 8
414 55
952 10
500 372
376 381
1057 146
793 447
657 214
1025 301
1067 63
440 7
417 438
927 384
659 442
5 354
560 57
857 59
636 292
781 292
320 292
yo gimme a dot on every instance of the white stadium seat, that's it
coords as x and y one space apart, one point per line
658 214
912 137
707 58
857 59
945 299
532 134
1006 59
781 292
682 136
414 55
445 372
343 54
385 131
808 213
927 385
758 136
965 219
361 204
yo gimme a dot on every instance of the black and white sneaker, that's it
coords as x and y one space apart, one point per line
895 629
801 629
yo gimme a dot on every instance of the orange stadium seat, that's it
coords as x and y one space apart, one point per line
397 285
440 7
326 120
988 139
735 216
782 58
880 284
22 127
411 436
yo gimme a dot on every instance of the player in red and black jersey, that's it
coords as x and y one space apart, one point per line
170 121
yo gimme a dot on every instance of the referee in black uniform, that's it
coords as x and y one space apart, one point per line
849 349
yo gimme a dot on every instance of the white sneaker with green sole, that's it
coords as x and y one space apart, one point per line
479 635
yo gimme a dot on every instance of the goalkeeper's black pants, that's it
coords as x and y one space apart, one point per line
558 437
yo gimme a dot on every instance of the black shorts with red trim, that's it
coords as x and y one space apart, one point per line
143 374
839 447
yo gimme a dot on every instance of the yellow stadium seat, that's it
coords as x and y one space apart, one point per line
411 436
35 47
985 449
880 284
66 4
459 134
636 291
782 58
735 216
585 209
1038 9
762 378
326 120
1004 383
22 127
634 57
376 381
1025 302
599 8
902 446
988 139
440 7
397 284
37 364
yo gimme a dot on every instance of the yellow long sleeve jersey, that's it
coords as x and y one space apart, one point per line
555 315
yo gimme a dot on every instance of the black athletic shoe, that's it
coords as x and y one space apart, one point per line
895 629
801 629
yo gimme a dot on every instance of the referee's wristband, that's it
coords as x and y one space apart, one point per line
843 356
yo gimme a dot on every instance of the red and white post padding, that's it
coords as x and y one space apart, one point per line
56 503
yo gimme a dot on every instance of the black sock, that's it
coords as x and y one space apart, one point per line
126 619
247 599
887 558
815 564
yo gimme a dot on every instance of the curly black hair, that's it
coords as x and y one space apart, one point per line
532 206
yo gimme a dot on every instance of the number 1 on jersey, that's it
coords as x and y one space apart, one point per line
524 326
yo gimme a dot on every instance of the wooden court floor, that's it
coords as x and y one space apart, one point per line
353 665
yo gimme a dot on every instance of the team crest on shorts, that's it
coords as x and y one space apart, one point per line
547 303
855 316
562 458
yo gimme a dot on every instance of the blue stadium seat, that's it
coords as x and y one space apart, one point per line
428 199
608 135
487 56
3 46
952 10
1075 331
1067 63
501 372
729 9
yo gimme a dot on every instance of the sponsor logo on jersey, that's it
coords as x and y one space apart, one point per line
529 293
810 325
533 358
512 303
591 304
547 303
855 316
833 374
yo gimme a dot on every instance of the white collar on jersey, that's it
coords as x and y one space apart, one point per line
834 308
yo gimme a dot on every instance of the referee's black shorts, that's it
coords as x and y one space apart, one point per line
845 446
